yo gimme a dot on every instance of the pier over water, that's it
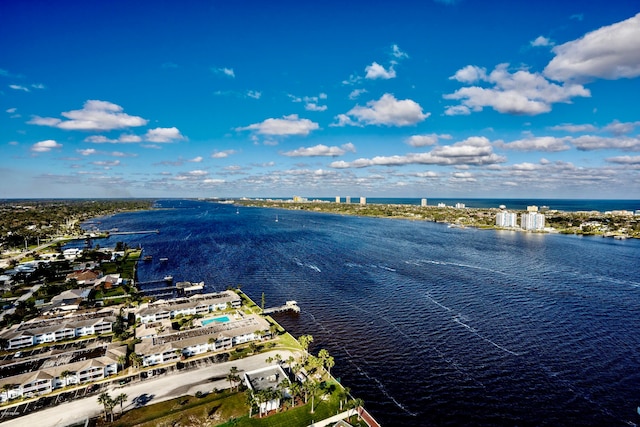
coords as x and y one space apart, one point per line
288 306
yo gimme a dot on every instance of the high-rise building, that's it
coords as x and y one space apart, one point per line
532 208
363 200
348 199
423 202
506 219
532 221
460 205
337 199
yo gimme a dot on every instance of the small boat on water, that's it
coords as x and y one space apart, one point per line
276 218
168 278
147 258
164 259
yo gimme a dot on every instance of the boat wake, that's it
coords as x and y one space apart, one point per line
308 265
380 386
449 361
420 262
459 320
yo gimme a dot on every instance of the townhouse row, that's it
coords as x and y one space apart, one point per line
155 350
196 304
46 380
56 329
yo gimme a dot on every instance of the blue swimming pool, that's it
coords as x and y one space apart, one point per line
222 319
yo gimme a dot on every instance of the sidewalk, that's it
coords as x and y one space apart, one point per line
334 419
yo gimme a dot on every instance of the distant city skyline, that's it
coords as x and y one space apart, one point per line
433 99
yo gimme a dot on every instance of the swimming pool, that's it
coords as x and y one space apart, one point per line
222 319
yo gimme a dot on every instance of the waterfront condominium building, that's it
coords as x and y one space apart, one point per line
506 219
532 221
363 201
423 202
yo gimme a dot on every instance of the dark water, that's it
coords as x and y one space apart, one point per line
429 325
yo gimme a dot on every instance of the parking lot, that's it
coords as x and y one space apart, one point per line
51 401
201 375
97 388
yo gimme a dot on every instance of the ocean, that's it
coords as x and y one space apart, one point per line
429 325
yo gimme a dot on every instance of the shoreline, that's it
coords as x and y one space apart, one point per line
477 218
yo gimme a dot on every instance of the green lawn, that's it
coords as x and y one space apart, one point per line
214 406
224 409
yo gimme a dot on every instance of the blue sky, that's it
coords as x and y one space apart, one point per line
378 99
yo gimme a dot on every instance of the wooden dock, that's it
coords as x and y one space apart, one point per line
288 306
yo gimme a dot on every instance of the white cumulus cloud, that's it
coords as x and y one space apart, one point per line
542 143
222 154
425 140
321 150
387 111
18 87
164 135
356 93
224 71
521 92
122 139
396 52
624 160
596 142
476 151
286 126
377 71
541 41
45 146
610 52
95 115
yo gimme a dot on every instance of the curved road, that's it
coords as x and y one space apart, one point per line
158 389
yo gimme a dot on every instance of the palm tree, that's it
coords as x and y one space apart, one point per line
329 363
6 387
323 354
64 375
268 360
284 385
344 394
233 377
260 397
273 329
105 400
357 403
251 401
312 388
253 347
122 361
135 360
121 398
295 391
278 358
304 341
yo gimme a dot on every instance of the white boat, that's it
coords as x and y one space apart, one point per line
276 218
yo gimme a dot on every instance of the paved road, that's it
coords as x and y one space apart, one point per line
24 297
161 388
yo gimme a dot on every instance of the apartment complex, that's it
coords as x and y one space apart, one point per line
532 221
506 219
